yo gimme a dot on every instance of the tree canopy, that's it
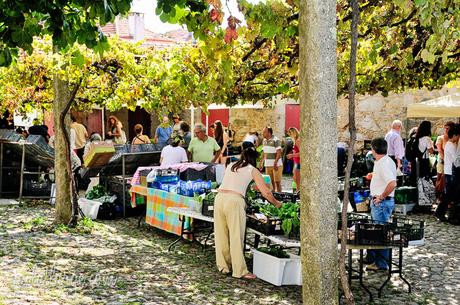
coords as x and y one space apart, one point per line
400 46
66 21
402 43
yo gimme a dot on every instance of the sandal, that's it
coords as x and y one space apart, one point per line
249 276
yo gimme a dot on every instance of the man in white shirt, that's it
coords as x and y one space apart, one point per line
382 191
395 143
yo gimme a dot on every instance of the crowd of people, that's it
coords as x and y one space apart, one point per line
421 148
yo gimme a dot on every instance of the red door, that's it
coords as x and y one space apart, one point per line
94 123
214 115
292 116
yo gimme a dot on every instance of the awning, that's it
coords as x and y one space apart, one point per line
442 107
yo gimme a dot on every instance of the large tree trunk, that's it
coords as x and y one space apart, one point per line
352 128
62 174
318 100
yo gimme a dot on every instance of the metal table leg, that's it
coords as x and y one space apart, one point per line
390 271
207 236
400 263
181 233
360 274
1 169
21 182
123 167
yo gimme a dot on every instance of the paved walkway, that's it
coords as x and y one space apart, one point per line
121 264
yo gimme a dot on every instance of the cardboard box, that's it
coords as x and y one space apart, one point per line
99 154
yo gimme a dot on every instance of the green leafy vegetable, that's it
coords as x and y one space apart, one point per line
275 251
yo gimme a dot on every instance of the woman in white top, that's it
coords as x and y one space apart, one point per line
230 213
425 146
450 153
441 142
173 153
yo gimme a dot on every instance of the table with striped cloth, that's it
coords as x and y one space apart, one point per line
158 202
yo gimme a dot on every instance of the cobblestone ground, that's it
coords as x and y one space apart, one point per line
119 263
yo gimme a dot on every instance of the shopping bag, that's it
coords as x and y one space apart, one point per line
426 191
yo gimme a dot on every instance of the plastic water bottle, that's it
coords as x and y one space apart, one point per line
294 187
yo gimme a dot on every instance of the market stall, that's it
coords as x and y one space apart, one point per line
25 166
174 186
442 107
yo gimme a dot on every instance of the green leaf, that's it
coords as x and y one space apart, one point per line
78 59
420 2
427 56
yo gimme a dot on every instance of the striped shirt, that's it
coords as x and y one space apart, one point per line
270 147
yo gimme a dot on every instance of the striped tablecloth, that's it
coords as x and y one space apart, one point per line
158 202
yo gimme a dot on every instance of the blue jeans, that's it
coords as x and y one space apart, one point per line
381 213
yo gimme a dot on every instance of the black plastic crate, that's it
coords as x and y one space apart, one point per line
352 218
286 197
370 232
206 174
271 227
207 208
413 229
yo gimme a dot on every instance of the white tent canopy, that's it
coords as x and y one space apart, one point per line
442 107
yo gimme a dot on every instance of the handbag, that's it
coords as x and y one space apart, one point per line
426 191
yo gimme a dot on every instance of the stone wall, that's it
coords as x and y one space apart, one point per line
375 113
244 120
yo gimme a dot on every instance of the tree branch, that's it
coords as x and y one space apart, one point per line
73 188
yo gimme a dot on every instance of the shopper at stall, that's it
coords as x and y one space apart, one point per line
176 127
140 138
115 130
163 132
450 154
173 153
295 155
231 134
187 135
395 143
203 148
230 213
81 136
382 188
441 142
211 130
250 139
221 138
39 129
421 146
272 158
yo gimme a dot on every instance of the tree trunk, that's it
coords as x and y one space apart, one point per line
352 128
318 102
62 174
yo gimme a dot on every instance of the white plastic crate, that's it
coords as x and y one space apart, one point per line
404 208
90 208
277 271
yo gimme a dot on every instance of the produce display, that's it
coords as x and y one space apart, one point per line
97 191
287 215
276 251
207 203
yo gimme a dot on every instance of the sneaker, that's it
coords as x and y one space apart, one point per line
374 267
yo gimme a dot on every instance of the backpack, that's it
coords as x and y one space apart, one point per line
412 152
